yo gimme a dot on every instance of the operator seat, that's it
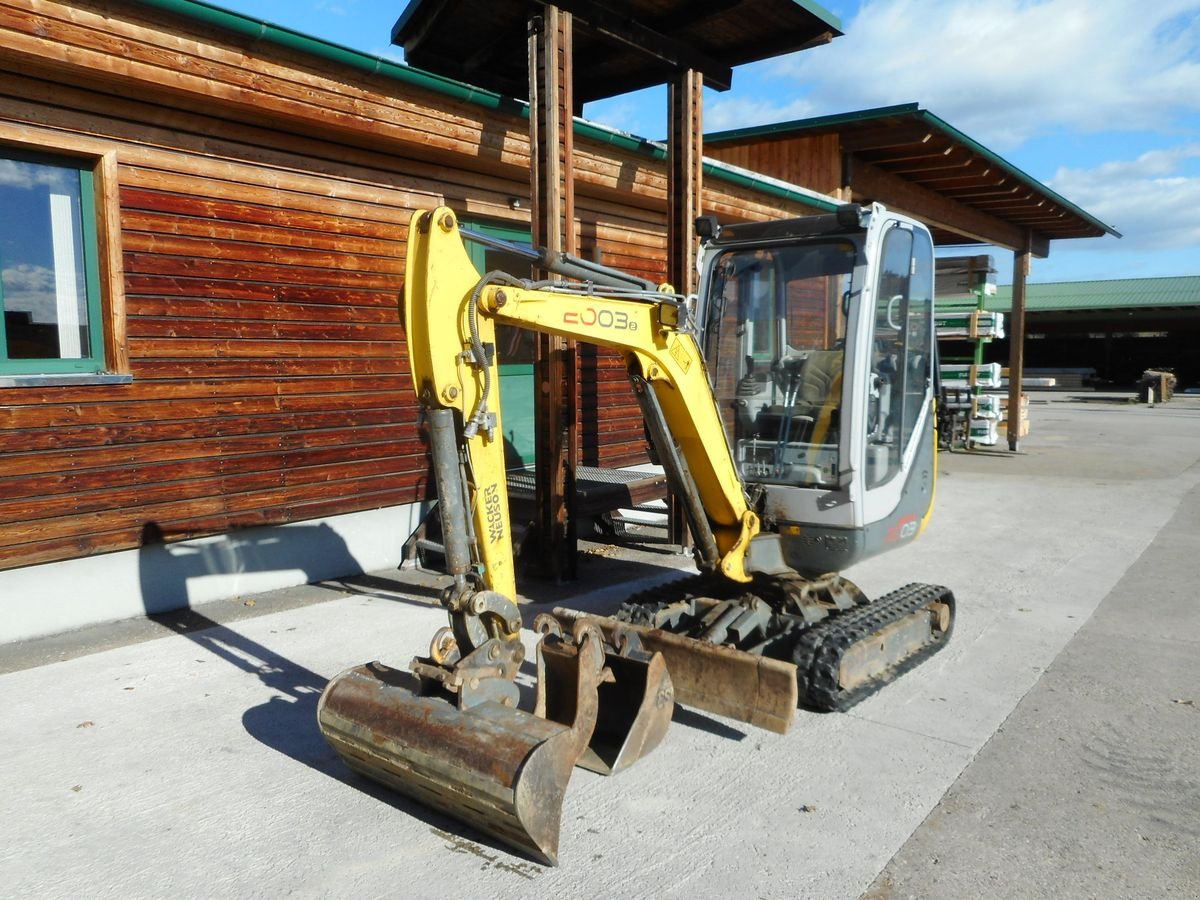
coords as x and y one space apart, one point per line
820 393
812 415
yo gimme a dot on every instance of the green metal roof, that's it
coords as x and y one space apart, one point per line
1120 293
816 123
281 36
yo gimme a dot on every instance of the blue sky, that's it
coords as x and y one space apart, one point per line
1098 99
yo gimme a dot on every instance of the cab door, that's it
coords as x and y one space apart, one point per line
897 474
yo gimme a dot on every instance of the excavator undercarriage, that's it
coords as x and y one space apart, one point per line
843 647
754 652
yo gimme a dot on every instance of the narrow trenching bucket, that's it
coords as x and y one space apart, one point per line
502 770
635 704
712 677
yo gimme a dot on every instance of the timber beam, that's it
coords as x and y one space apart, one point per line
674 54
556 388
872 183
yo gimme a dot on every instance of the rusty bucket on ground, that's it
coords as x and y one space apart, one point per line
500 769
635 703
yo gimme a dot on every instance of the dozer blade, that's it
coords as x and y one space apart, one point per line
718 679
635 705
499 769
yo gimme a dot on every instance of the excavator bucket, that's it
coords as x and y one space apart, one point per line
712 677
500 769
635 704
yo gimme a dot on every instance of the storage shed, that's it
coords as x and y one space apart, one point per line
1109 332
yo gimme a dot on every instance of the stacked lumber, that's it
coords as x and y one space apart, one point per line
973 324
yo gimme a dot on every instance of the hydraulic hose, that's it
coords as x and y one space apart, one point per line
479 416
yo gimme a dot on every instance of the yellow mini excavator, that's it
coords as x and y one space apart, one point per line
791 406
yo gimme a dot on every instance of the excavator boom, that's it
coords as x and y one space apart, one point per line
449 732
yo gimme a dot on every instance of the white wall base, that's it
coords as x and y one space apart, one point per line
61 596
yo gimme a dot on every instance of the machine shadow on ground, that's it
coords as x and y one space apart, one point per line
287 721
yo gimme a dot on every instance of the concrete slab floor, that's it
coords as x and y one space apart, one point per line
182 756
1091 788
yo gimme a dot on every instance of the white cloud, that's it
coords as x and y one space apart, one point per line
29 288
1154 200
1003 70
27 176
391 52
25 278
735 112
642 112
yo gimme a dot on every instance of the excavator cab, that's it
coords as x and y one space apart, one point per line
818 339
818 333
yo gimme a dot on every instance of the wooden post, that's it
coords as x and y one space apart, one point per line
1016 342
685 160
551 139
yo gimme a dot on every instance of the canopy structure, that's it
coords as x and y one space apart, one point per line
909 159
626 45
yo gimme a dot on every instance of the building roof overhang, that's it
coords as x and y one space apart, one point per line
908 157
619 46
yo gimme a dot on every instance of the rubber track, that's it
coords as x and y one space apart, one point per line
819 651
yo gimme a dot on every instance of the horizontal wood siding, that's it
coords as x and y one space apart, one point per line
815 162
264 198
270 379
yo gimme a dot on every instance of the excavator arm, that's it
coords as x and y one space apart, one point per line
451 316
454 736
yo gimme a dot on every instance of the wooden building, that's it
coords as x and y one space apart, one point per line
203 383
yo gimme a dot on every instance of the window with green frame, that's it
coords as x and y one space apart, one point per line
49 266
